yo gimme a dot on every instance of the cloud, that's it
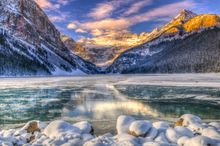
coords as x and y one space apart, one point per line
101 11
44 4
56 18
105 9
169 10
72 26
63 2
79 30
111 27
101 27
97 32
47 4
137 6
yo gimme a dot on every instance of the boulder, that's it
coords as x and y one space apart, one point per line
140 128
123 123
59 128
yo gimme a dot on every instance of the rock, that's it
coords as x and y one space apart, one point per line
183 131
196 127
161 126
140 128
31 138
200 141
85 127
123 123
172 135
127 143
128 138
190 119
74 142
104 140
161 138
182 140
31 127
179 122
215 124
156 144
58 128
87 137
6 144
94 143
152 133
211 133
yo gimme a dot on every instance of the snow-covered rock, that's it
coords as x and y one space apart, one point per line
123 123
141 133
140 128
199 141
211 133
152 133
161 126
161 138
215 124
190 119
85 127
59 128
157 144
172 135
127 138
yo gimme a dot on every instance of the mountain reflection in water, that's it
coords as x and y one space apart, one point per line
76 99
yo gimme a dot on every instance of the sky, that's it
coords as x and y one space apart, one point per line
95 18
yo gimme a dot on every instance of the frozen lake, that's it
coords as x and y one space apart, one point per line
101 99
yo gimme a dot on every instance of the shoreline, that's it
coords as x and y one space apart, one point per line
185 130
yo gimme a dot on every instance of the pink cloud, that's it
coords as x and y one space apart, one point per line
137 6
105 9
44 3
47 4
169 10
109 26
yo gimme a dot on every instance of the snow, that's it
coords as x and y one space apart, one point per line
123 123
140 128
161 126
84 126
152 133
61 133
60 72
211 133
57 129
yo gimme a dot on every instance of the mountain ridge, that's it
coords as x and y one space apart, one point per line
93 53
144 54
28 33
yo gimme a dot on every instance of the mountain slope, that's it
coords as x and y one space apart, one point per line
193 46
104 49
31 45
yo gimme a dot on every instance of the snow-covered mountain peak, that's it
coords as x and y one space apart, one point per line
34 43
185 15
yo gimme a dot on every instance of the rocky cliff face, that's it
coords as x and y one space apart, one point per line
186 44
31 45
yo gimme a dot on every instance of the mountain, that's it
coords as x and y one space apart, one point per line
190 43
103 50
31 45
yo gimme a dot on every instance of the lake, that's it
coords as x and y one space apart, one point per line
101 99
